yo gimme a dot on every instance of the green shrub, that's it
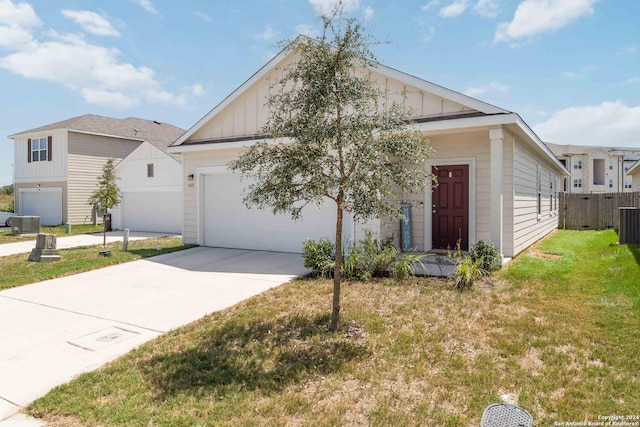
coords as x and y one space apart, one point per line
6 207
318 256
405 266
362 261
7 189
466 272
487 255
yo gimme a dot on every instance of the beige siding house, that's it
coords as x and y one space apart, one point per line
57 165
596 169
634 172
497 180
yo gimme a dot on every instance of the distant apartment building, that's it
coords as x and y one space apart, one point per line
596 169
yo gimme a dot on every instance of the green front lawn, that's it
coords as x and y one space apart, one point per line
16 270
58 230
558 330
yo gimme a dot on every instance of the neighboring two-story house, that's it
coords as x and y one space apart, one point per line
596 169
57 165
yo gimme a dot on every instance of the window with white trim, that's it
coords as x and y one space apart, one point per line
610 183
627 184
577 183
149 170
39 149
539 190
577 164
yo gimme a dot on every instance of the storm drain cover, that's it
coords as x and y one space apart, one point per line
104 338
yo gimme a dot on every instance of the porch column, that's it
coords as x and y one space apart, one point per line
496 137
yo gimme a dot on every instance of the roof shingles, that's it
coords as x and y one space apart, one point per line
131 127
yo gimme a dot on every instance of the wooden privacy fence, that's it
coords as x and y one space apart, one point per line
594 211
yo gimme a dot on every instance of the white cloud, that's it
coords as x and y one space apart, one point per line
16 23
326 7
611 123
429 5
96 72
533 17
429 35
197 89
487 8
205 17
455 9
577 75
368 14
308 30
629 50
491 87
91 22
147 5
268 34
632 80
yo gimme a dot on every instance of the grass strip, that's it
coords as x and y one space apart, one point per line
558 331
16 270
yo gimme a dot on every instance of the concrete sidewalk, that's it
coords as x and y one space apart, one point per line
78 240
57 329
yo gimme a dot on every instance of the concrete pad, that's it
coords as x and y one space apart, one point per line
62 327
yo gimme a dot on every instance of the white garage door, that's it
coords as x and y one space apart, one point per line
46 203
228 223
159 211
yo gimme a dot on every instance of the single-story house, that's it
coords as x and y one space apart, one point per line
497 180
57 165
634 172
150 182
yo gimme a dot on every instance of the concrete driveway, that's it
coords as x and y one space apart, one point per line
54 330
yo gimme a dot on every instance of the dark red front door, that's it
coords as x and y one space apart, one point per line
450 218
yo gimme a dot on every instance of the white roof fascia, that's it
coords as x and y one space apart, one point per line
495 120
140 147
443 92
408 79
633 169
232 97
224 145
109 135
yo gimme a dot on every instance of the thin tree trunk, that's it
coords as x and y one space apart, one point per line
104 230
337 270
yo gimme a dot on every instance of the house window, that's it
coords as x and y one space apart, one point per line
149 170
539 189
610 165
551 195
577 183
577 164
598 171
610 183
627 184
39 150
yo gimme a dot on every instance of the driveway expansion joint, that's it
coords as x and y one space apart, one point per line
83 314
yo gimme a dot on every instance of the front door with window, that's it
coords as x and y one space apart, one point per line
450 217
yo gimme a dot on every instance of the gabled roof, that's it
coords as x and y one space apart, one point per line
141 147
408 79
130 128
635 168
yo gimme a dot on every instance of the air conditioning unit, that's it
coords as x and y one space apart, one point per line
25 224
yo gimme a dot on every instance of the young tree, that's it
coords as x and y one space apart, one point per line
334 137
107 194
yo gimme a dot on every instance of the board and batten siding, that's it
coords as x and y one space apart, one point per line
635 183
51 171
529 226
87 156
167 171
247 115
